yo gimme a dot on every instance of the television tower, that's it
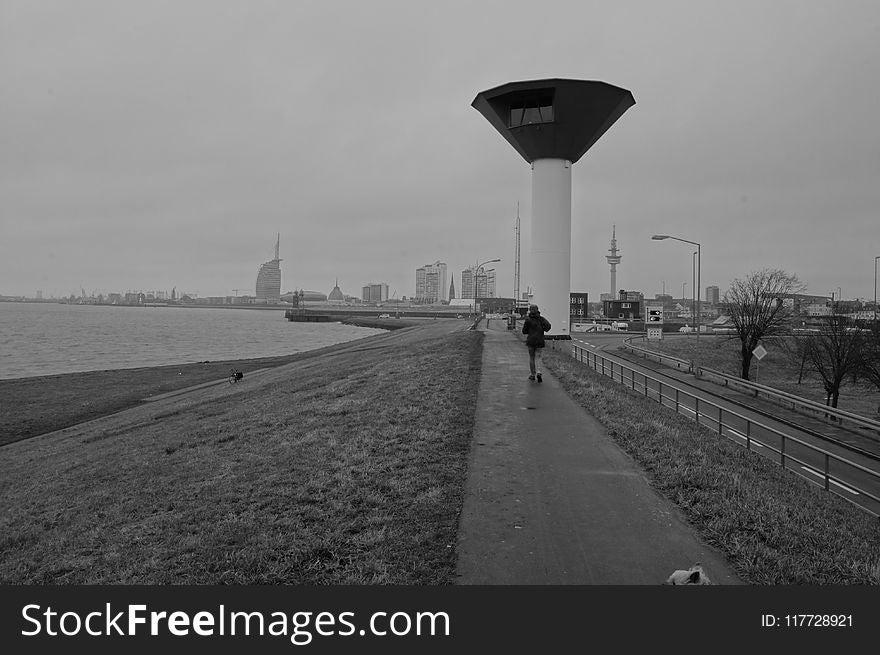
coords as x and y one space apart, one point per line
614 260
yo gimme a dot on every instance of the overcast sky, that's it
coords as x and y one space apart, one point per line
146 145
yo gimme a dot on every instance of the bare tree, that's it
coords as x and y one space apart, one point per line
870 364
756 306
835 351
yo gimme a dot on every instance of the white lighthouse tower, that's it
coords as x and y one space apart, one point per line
552 123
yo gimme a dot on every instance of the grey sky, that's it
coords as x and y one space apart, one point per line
151 145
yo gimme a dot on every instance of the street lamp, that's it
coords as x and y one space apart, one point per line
476 269
875 287
660 237
696 290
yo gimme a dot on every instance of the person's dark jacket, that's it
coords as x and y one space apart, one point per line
535 326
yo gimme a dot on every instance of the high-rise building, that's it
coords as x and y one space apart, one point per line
431 282
485 283
374 292
269 278
452 288
713 295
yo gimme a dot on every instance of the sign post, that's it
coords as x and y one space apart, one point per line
654 322
759 352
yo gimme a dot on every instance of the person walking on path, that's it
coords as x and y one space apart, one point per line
534 327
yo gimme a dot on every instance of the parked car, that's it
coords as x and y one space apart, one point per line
619 325
384 315
686 329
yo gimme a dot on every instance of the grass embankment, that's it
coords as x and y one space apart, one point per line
774 527
342 468
776 370
37 405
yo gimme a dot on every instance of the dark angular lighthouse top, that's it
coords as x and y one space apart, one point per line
555 118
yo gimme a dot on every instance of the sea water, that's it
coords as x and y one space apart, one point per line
51 338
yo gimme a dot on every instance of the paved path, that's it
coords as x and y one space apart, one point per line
551 499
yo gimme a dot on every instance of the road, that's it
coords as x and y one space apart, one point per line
849 471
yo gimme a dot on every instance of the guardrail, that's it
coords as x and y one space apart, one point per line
782 398
740 428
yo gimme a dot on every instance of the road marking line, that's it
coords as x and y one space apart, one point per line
822 475
742 436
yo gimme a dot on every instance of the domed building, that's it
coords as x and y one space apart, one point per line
336 294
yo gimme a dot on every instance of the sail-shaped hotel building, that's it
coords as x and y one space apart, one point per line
269 278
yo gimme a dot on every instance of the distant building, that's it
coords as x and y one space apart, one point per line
664 299
269 279
431 283
373 292
485 283
336 295
452 289
818 309
627 306
713 295
578 307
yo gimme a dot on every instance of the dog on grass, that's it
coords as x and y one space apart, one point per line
694 575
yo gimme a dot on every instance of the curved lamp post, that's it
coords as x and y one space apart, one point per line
476 276
660 237
875 287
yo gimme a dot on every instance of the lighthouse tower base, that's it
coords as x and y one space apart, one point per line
551 243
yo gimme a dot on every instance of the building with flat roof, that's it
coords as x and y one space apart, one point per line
713 295
485 283
431 283
374 292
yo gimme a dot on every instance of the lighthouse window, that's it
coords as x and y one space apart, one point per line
531 114
516 116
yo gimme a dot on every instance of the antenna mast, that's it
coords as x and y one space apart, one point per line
516 262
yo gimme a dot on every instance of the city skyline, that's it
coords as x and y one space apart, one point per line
167 163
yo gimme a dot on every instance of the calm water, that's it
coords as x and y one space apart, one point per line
50 338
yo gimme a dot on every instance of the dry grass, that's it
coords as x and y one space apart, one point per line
334 470
774 527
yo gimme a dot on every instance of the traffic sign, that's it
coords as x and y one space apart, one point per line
759 352
654 315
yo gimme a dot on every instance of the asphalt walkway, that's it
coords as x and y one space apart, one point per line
551 499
